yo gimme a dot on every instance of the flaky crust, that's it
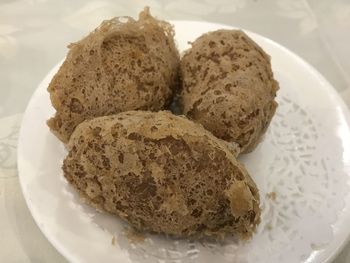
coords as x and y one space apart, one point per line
162 173
228 87
122 65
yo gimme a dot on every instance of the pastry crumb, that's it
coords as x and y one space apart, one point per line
271 195
134 236
113 240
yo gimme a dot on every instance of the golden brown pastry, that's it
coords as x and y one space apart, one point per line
120 66
162 173
228 87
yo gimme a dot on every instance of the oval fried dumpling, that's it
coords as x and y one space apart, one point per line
162 173
228 87
120 66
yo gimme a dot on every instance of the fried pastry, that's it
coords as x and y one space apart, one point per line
228 87
122 65
162 173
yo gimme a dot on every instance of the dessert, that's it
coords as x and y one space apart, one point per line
120 66
162 173
228 87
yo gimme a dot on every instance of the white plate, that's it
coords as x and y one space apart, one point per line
304 159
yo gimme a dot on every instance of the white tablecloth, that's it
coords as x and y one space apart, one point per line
33 38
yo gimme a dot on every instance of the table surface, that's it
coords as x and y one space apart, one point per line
33 38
